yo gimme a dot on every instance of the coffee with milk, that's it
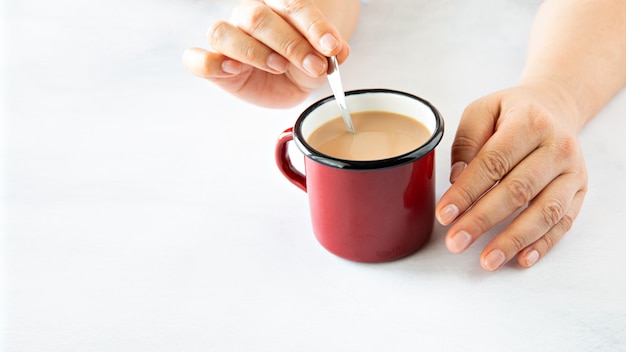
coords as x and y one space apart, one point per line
379 135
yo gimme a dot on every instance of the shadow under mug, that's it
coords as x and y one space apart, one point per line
367 211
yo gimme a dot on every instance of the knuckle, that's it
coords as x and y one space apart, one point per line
249 53
567 221
256 19
290 47
553 236
549 241
566 148
465 196
495 165
553 212
482 222
293 7
520 191
519 242
314 25
538 120
463 144
217 32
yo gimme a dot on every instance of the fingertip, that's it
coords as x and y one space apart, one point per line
528 258
456 170
446 215
188 56
231 67
277 63
194 60
328 44
343 54
493 260
314 65
458 242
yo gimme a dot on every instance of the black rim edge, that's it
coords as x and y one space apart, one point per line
408 157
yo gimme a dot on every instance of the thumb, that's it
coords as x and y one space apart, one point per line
477 125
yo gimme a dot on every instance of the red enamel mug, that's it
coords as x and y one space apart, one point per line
367 211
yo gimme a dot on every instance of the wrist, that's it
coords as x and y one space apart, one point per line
561 98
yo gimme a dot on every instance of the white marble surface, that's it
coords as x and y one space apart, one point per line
142 210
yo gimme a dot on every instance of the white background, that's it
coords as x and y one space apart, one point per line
142 210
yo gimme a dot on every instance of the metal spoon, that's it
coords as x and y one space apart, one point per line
335 84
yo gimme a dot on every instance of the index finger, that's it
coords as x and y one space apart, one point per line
311 22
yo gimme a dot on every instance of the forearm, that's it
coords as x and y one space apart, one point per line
580 47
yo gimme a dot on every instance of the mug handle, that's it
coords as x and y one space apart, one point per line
284 162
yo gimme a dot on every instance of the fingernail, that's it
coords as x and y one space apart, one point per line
532 257
314 65
277 63
328 43
231 67
456 170
448 214
459 242
494 260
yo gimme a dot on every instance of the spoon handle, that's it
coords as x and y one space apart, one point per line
335 84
